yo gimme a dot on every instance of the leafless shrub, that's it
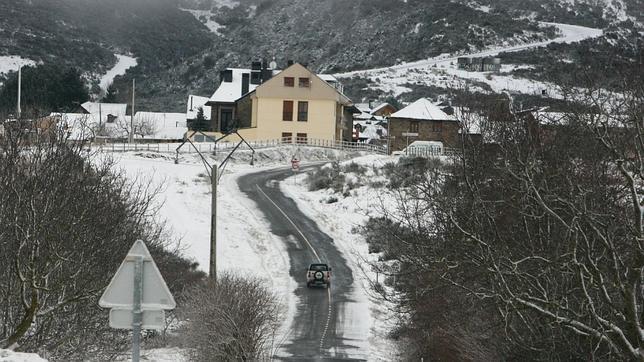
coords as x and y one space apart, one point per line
236 319
66 223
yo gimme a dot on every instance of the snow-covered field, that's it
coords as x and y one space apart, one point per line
11 63
441 71
123 63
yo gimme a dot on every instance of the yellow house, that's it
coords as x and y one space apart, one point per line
293 105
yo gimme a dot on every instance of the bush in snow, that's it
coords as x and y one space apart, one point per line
235 319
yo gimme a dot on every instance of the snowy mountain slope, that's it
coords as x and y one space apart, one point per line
441 71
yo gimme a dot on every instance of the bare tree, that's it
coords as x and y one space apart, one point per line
67 222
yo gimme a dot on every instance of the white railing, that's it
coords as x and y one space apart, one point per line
222 146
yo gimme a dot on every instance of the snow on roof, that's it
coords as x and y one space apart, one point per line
423 109
163 126
363 107
115 109
194 102
381 106
229 92
327 77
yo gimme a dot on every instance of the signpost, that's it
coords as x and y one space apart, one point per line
137 296
295 166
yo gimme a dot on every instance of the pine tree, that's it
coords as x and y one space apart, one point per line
200 123
110 94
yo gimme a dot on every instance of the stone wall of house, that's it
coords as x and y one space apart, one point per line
448 133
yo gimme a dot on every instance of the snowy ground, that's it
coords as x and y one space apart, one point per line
11 63
338 220
123 63
441 71
11 356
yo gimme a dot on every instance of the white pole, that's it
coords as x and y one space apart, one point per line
18 111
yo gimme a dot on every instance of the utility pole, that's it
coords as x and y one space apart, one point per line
132 116
214 176
214 172
18 110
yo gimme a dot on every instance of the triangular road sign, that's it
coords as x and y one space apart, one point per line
120 291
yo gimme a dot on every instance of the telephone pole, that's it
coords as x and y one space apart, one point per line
18 110
214 173
132 116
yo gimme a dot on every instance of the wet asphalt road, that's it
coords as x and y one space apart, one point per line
316 333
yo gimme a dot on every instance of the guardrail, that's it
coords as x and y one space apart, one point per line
222 146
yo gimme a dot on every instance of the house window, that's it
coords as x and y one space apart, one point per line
289 81
302 111
304 82
413 126
302 138
287 111
287 137
437 127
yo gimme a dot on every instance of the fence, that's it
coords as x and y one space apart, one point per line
223 146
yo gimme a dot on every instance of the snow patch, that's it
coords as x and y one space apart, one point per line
7 355
123 63
11 63
205 17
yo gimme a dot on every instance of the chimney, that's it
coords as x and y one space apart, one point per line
245 83
264 64
256 66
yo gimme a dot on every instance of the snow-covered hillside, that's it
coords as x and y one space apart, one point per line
442 71
123 63
11 63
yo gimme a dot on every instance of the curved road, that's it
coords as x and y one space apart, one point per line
313 335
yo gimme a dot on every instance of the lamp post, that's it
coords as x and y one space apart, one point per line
214 172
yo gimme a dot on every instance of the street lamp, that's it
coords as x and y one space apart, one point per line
214 173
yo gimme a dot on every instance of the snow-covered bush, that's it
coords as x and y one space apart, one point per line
235 319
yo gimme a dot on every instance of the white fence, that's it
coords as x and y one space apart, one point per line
223 146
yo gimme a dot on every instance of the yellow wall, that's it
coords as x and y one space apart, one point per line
320 123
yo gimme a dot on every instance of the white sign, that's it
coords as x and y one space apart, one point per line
123 318
155 294
410 134
295 164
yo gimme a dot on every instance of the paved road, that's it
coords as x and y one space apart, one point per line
316 333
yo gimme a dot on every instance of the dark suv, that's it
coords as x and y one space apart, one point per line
318 274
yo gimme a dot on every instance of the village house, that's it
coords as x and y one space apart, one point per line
293 105
422 121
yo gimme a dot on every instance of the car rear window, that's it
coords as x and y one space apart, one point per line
318 267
